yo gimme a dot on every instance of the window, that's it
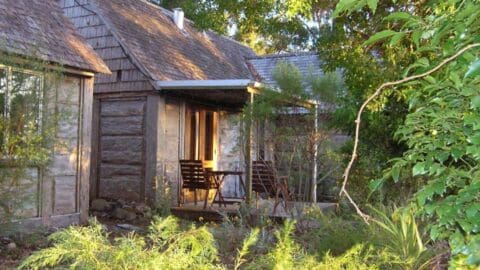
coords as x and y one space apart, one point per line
20 102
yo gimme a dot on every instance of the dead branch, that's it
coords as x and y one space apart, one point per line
377 92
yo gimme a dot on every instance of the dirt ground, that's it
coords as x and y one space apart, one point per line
24 245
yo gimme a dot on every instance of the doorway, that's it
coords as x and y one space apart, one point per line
201 140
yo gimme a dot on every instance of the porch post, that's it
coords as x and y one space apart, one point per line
248 149
315 157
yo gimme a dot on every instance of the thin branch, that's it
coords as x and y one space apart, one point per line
377 92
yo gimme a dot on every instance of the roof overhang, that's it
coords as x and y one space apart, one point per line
207 84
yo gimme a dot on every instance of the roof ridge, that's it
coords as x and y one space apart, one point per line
230 39
283 55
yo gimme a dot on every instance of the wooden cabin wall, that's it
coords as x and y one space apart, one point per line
60 191
122 114
170 148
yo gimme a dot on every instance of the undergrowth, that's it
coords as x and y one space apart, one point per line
326 242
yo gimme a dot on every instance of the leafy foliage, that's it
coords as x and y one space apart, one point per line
402 237
290 138
264 25
441 129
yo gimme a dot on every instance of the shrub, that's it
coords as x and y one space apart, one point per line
165 247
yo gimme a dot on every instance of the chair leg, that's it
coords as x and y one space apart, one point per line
195 196
206 199
277 202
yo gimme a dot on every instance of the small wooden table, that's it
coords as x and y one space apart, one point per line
219 178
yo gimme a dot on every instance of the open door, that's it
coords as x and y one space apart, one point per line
201 135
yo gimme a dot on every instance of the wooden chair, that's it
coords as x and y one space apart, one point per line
195 177
265 180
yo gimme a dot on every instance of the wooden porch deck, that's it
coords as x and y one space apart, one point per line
215 213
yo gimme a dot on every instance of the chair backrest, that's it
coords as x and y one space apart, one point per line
263 177
193 174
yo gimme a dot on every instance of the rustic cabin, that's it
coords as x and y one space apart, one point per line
174 93
173 97
32 34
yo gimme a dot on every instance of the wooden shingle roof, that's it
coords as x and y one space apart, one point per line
263 66
37 28
166 53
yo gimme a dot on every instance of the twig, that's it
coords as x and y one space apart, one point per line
379 90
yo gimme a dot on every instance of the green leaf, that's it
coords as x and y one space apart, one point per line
379 36
375 184
418 169
416 35
472 210
430 79
395 173
434 233
475 139
372 4
475 104
473 69
396 38
344 6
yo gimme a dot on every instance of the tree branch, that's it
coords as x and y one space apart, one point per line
377 92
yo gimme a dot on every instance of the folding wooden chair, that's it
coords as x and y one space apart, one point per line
266 181
195 177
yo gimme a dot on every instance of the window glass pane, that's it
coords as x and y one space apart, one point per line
209 135
193 135
24 101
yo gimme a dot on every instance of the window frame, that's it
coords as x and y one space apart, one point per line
9 70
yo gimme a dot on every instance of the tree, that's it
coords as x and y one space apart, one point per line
291 138
442 126
266 26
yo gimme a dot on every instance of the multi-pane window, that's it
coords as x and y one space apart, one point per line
20 102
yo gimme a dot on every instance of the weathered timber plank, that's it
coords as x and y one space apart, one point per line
120 143
65 192
95 141
110 53
129 125
85 149
123 87
115 170
122 157
87 21
122 107
120 188
151 133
